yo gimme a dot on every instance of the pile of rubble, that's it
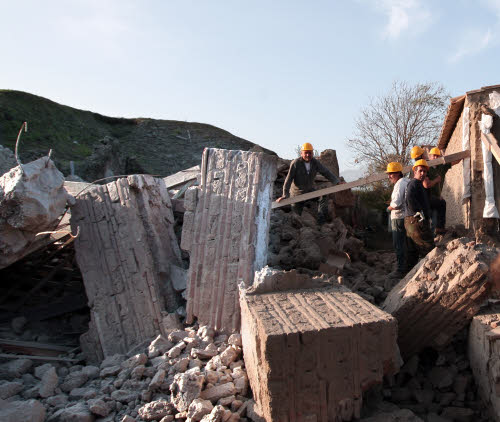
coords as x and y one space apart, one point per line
193 374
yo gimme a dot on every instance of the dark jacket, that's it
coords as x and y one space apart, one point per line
298 181
416 199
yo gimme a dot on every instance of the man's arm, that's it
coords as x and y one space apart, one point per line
327 173
288 181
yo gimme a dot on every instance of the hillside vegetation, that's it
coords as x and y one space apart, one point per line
159 147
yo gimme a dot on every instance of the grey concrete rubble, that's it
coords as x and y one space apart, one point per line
32 200
126 238
138 387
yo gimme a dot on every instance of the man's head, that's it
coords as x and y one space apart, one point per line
434 153
420 169
416 152
394 172
306 152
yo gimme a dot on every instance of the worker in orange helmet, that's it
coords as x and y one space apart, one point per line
300 180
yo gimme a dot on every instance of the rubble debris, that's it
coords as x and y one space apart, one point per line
484 355
32 200
440 295
135 387
289 338
124 251
226 232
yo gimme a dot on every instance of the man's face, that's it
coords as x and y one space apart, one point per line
433 156
393 177
420 172
306 155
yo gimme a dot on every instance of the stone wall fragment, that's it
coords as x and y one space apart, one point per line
311 353
227 233
440 295
125 250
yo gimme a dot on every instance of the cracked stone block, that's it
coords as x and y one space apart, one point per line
440 295
125 251
311 353
227 233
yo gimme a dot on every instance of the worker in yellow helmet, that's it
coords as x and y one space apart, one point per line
300 180
417 153
396 208
420 240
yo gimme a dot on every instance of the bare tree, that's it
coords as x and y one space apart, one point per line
392 124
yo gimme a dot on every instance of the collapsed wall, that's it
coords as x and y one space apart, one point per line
440 295
225 229
310 353
125 252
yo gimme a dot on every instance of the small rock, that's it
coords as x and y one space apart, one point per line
219 391
215 415
73 380
110 371
9 389
132 362
48 383
199 408
185 388
15 368
40 370
159 346
176 350
156 410
157 380
76 413
235 340
17 411
115 360
92 372
98 407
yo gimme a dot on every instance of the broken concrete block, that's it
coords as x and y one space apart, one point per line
185 388
440 295
32 199
124 251
228 233
9 389
217 392
27 410
311 353
78 412
484 356
49 383
156 410
199 408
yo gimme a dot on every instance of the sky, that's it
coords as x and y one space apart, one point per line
277 73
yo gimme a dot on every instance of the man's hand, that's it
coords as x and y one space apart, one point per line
280 199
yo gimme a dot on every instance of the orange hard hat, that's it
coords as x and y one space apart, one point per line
306 147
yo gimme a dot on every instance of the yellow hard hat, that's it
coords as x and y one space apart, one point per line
435 151
394 167
422 163
416 151
307 147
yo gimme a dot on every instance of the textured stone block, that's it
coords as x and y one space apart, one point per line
440 295
227 235
125 250
484 356
311 353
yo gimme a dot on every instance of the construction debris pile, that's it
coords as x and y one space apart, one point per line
321 333
193 374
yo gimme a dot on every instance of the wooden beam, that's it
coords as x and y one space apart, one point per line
492 144
47 358
33 348
181 177
365 180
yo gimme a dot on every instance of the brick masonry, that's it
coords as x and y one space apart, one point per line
225 229
311 353
440 295
124 251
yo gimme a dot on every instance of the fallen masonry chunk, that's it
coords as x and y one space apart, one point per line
440 295
225 229
32 199
311 353
484 356
185 388
26 410
125 250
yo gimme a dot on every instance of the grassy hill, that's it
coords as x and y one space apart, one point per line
160 147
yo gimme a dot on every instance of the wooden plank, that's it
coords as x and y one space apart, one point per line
365 180
33 348
182 176
46 358
492 144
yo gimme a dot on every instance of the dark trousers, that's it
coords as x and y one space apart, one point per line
440 206
399 242
322 207
420 240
